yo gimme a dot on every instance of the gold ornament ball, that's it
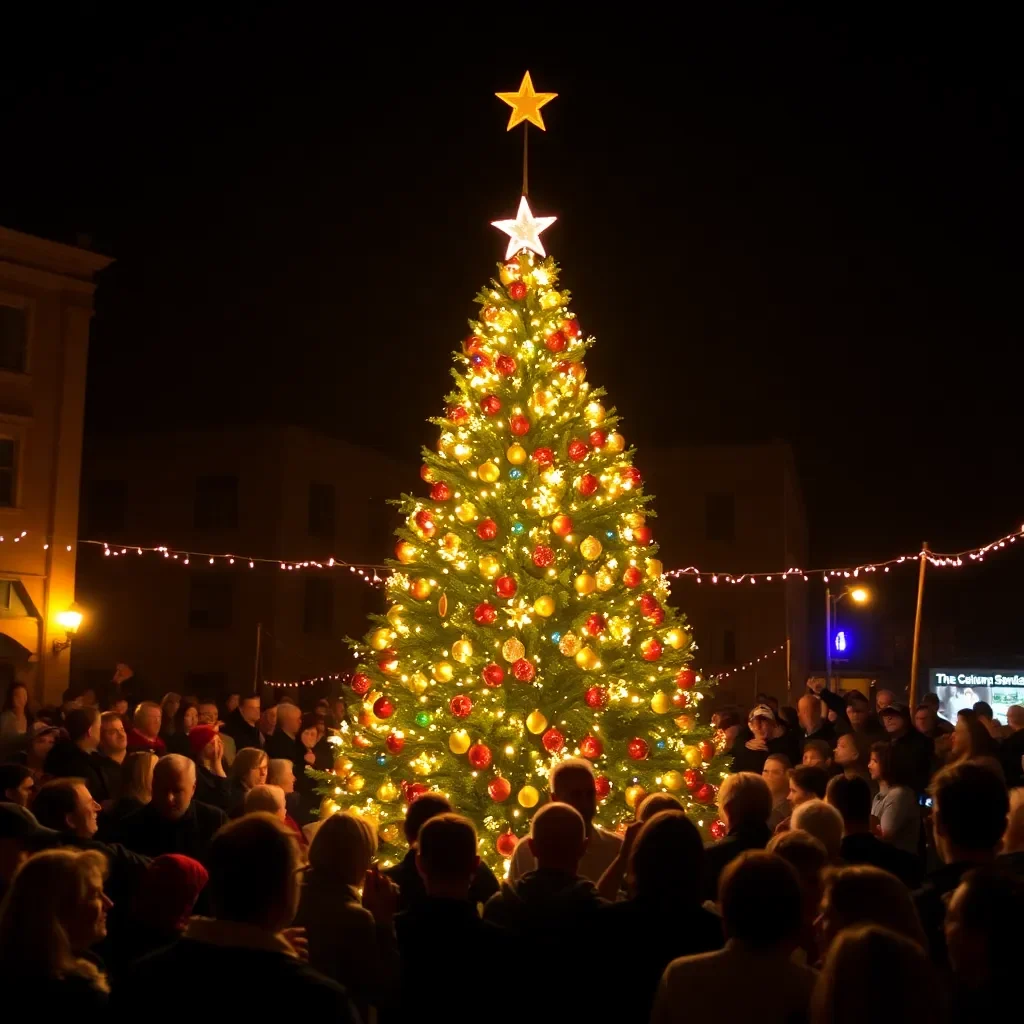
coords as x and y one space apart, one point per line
605 580
418 683
691 755
614 442
634 519
551 299
420 588
389 833
327 808
635 795
516 454
673 781
388 793
342 766
465 512
587 660
488 472
544 605
380 639
536 722
569 644
421 766
459 741
355 783
618 627
443 671
509 272
513 650
661 703
654 568
489 565
462 651
595 413
542 401
450 542
591 548
395 613
685 723
462 452
676 638
528 796
585 584
406 552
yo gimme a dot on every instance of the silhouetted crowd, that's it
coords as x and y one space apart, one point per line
164 862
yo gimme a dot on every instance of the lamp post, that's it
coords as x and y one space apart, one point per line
859 595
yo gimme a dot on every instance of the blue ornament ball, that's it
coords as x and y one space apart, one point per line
382 759
610 534
514 474
660 744
517 528
555 637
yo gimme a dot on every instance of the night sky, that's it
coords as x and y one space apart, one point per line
775 227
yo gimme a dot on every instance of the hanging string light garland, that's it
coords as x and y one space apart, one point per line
293 684
749 664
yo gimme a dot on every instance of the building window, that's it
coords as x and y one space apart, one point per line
318 613
13 339
729 647
210 602
720 517
321 511
8 472
105 508
216 505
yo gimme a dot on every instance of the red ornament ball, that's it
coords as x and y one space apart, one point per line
457 413
718 830
395 743
414 789
657 617
591 747
602 787
460 705
499 789
553 740
427 473
487 529
361 684
543 457
631 475
685 678
632 577
680 699
556 341
505 586
383 707
561 525
572 328
479 755
493 675
638 749
490 405
517 291
643 535
473 344
596 697
484 614
505 365
543 556
519 425
505 844
523 670
707 749
597 438
594 624
578 450
647 603
387 661
425 521
440 491
651 649
692 779
587 484
705 794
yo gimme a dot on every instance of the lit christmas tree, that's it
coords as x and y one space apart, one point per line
529 617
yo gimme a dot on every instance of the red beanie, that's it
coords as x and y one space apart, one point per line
169 889
200 736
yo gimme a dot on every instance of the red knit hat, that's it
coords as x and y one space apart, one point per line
169 889
200 736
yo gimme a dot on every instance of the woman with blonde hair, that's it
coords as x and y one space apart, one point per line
136 786
248 769
54 910
351 939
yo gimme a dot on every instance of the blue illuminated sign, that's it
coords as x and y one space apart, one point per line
841 641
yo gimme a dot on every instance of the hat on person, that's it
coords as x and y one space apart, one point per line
200 737
18 823
894 709
40 726
169 889
855 697
761 711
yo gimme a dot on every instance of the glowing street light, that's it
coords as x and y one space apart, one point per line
860 595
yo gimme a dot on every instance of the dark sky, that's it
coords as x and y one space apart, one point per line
776 227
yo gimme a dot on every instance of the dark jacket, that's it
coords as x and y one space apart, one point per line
110 773
244 734
67 760
1011 750
864 848
259 980
747 760
177 743
147 832
825 731
412 891
111 820
930 901
748 837
211 789
280 744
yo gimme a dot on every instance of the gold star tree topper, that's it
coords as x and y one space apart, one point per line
524 231
526 104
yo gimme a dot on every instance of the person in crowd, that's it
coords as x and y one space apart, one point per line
285 742
808 859
926 721
852 753
21 835
169 704
125 686
912 753
16 784
281 773
806 782
268 721
340 712
776 774
662 914
983 710
817 754
821 820
207 750
185 719
351 937
66 805
969 813
145 730
249 769
120 707
136 789
813 722
932 701
41 739
242 724
971 739
731 729
266 800
16 719
767 737
845 993
210 715
232 702
760 900
744 805
895 807
406 874
1011 752
111 754
75 757
317 751
172 822
863 721
572 782
53 913
253 892
611 882
884 699
851 797
983 939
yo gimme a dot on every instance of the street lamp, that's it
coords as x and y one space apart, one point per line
859 595
69 621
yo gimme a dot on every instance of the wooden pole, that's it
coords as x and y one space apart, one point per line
912 691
